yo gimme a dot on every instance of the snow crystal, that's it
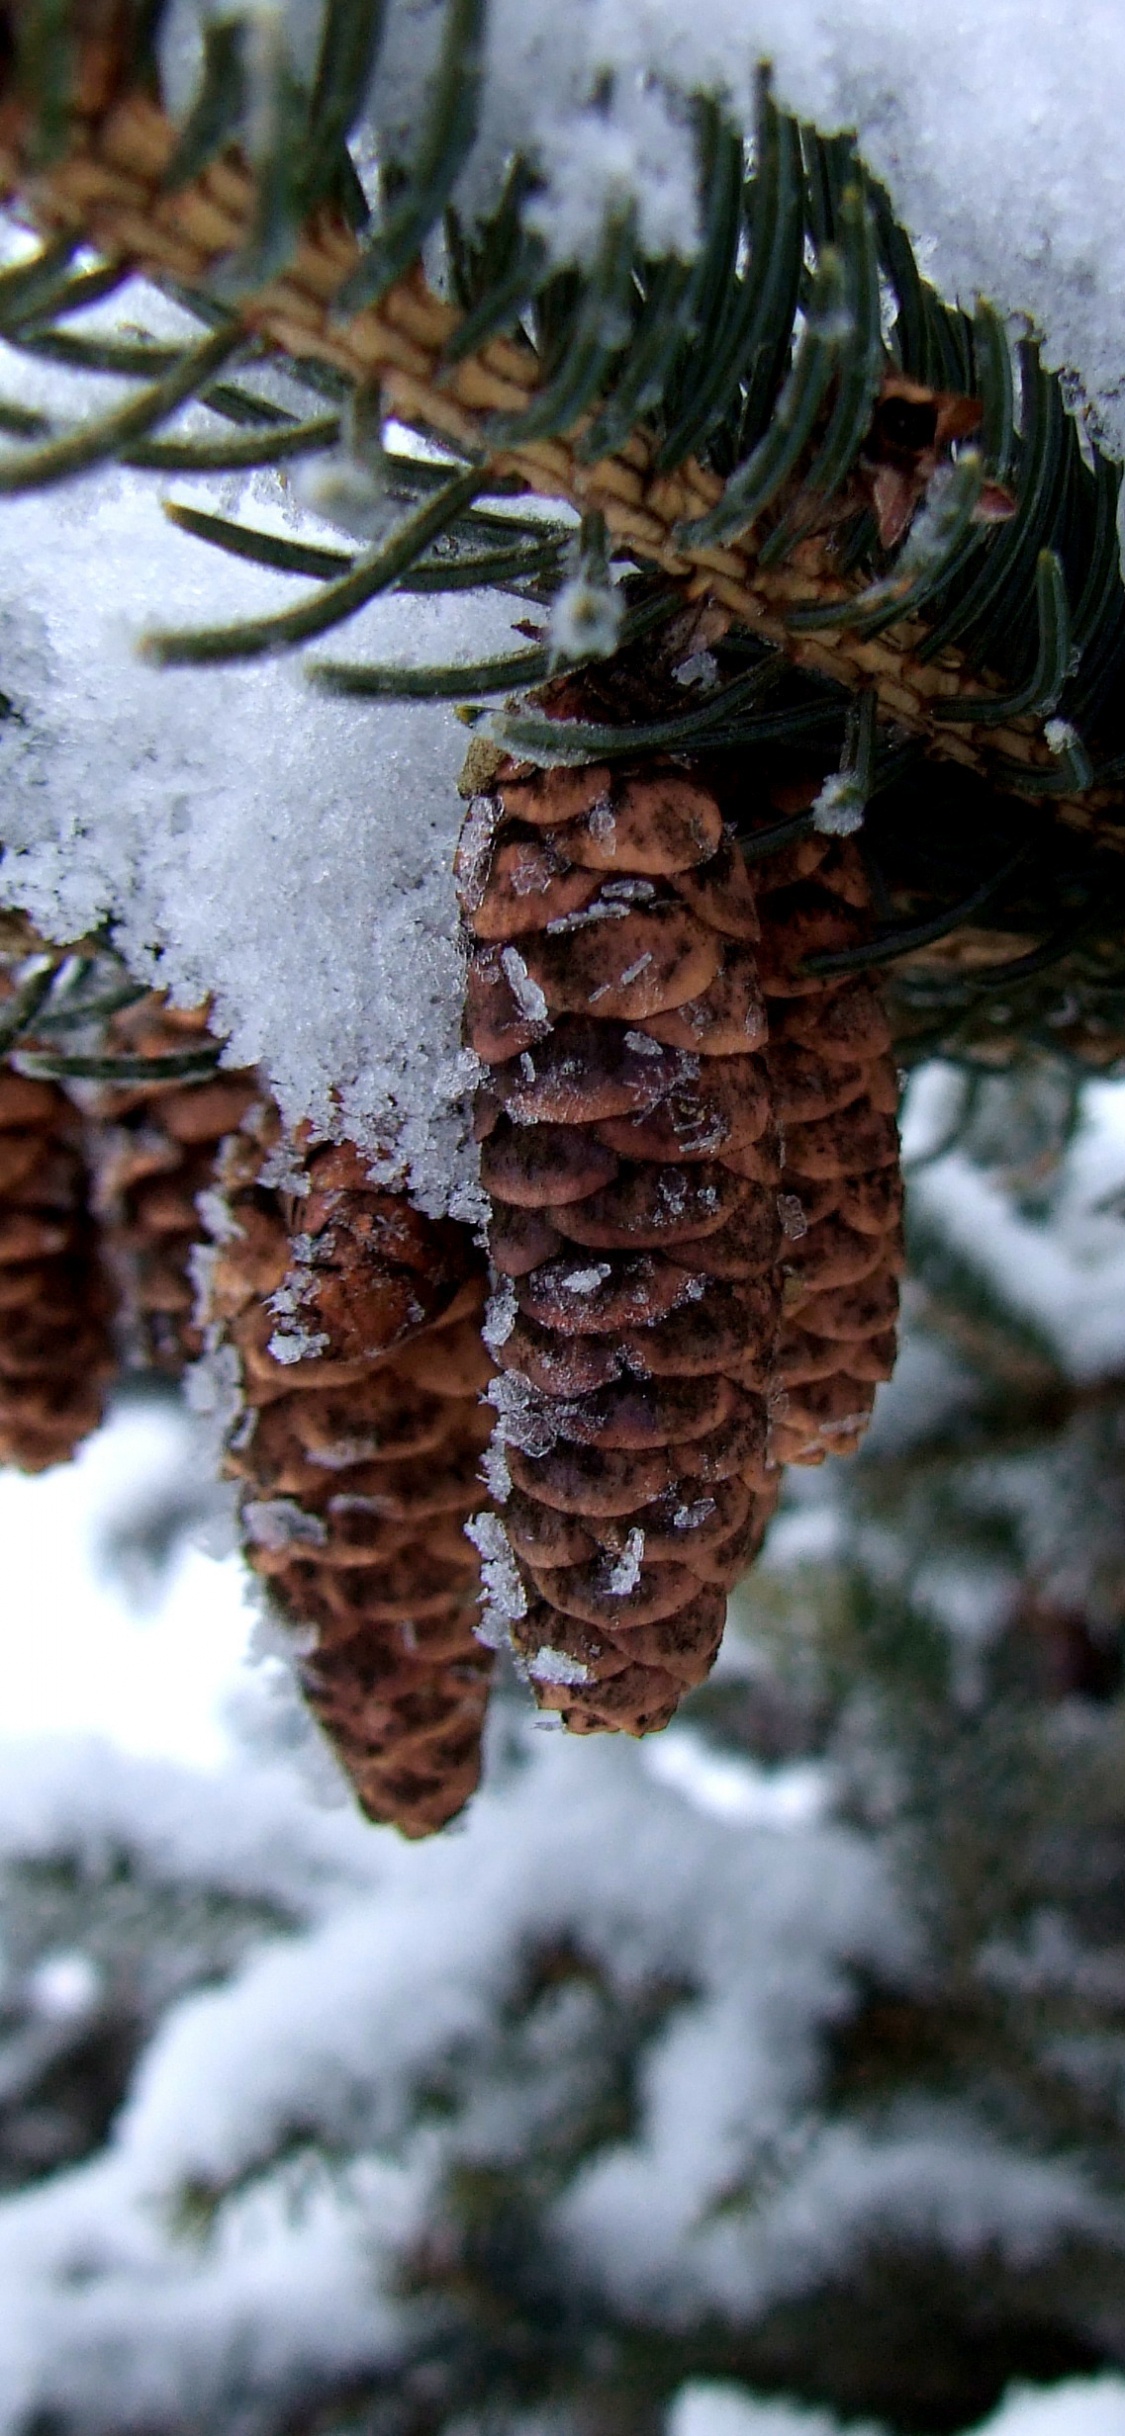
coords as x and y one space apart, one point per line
218 1217
282 1171
527 1419
554 1666
585 620
349 494
527 994
624 1575
279 1523
587 1281
689 1518
838 810
503 1597
599 911
298 1344
286 1301
629 892
495 1474
213 1389
700 668
474 850
500 1316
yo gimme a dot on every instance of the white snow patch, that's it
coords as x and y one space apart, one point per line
279 1522
554 1666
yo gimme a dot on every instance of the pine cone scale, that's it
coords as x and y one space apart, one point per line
622 1344
829 1052
359 1450
56 1301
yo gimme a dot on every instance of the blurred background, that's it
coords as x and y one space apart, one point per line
764 2079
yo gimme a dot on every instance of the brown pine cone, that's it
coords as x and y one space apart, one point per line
836 1093
154 1147
56 1307
630 1154
355 1323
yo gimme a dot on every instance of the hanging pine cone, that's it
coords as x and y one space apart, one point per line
56 1306
631 1157
154 1147
354 1324
836 1092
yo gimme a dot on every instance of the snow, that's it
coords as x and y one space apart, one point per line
1063 1272
625 1573
726 2410
251 839
279 1522
995 130
290 853
669 1865
635 2218
1083 2406
269 2314
837 811
527 994
331 2041
796 1794
77 1654
580 1844
389 1989
554 1666
64 1987
503 1596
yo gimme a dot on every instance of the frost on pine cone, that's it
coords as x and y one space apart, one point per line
631 1157
56 1308
353 1323
835 1092
154 1148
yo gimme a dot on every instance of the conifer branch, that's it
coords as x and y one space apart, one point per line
99 162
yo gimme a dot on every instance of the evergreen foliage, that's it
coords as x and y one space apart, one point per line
767 369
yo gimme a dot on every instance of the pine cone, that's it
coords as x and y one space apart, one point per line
155 1147
836 1092
356 1326
56 1306
631 1157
